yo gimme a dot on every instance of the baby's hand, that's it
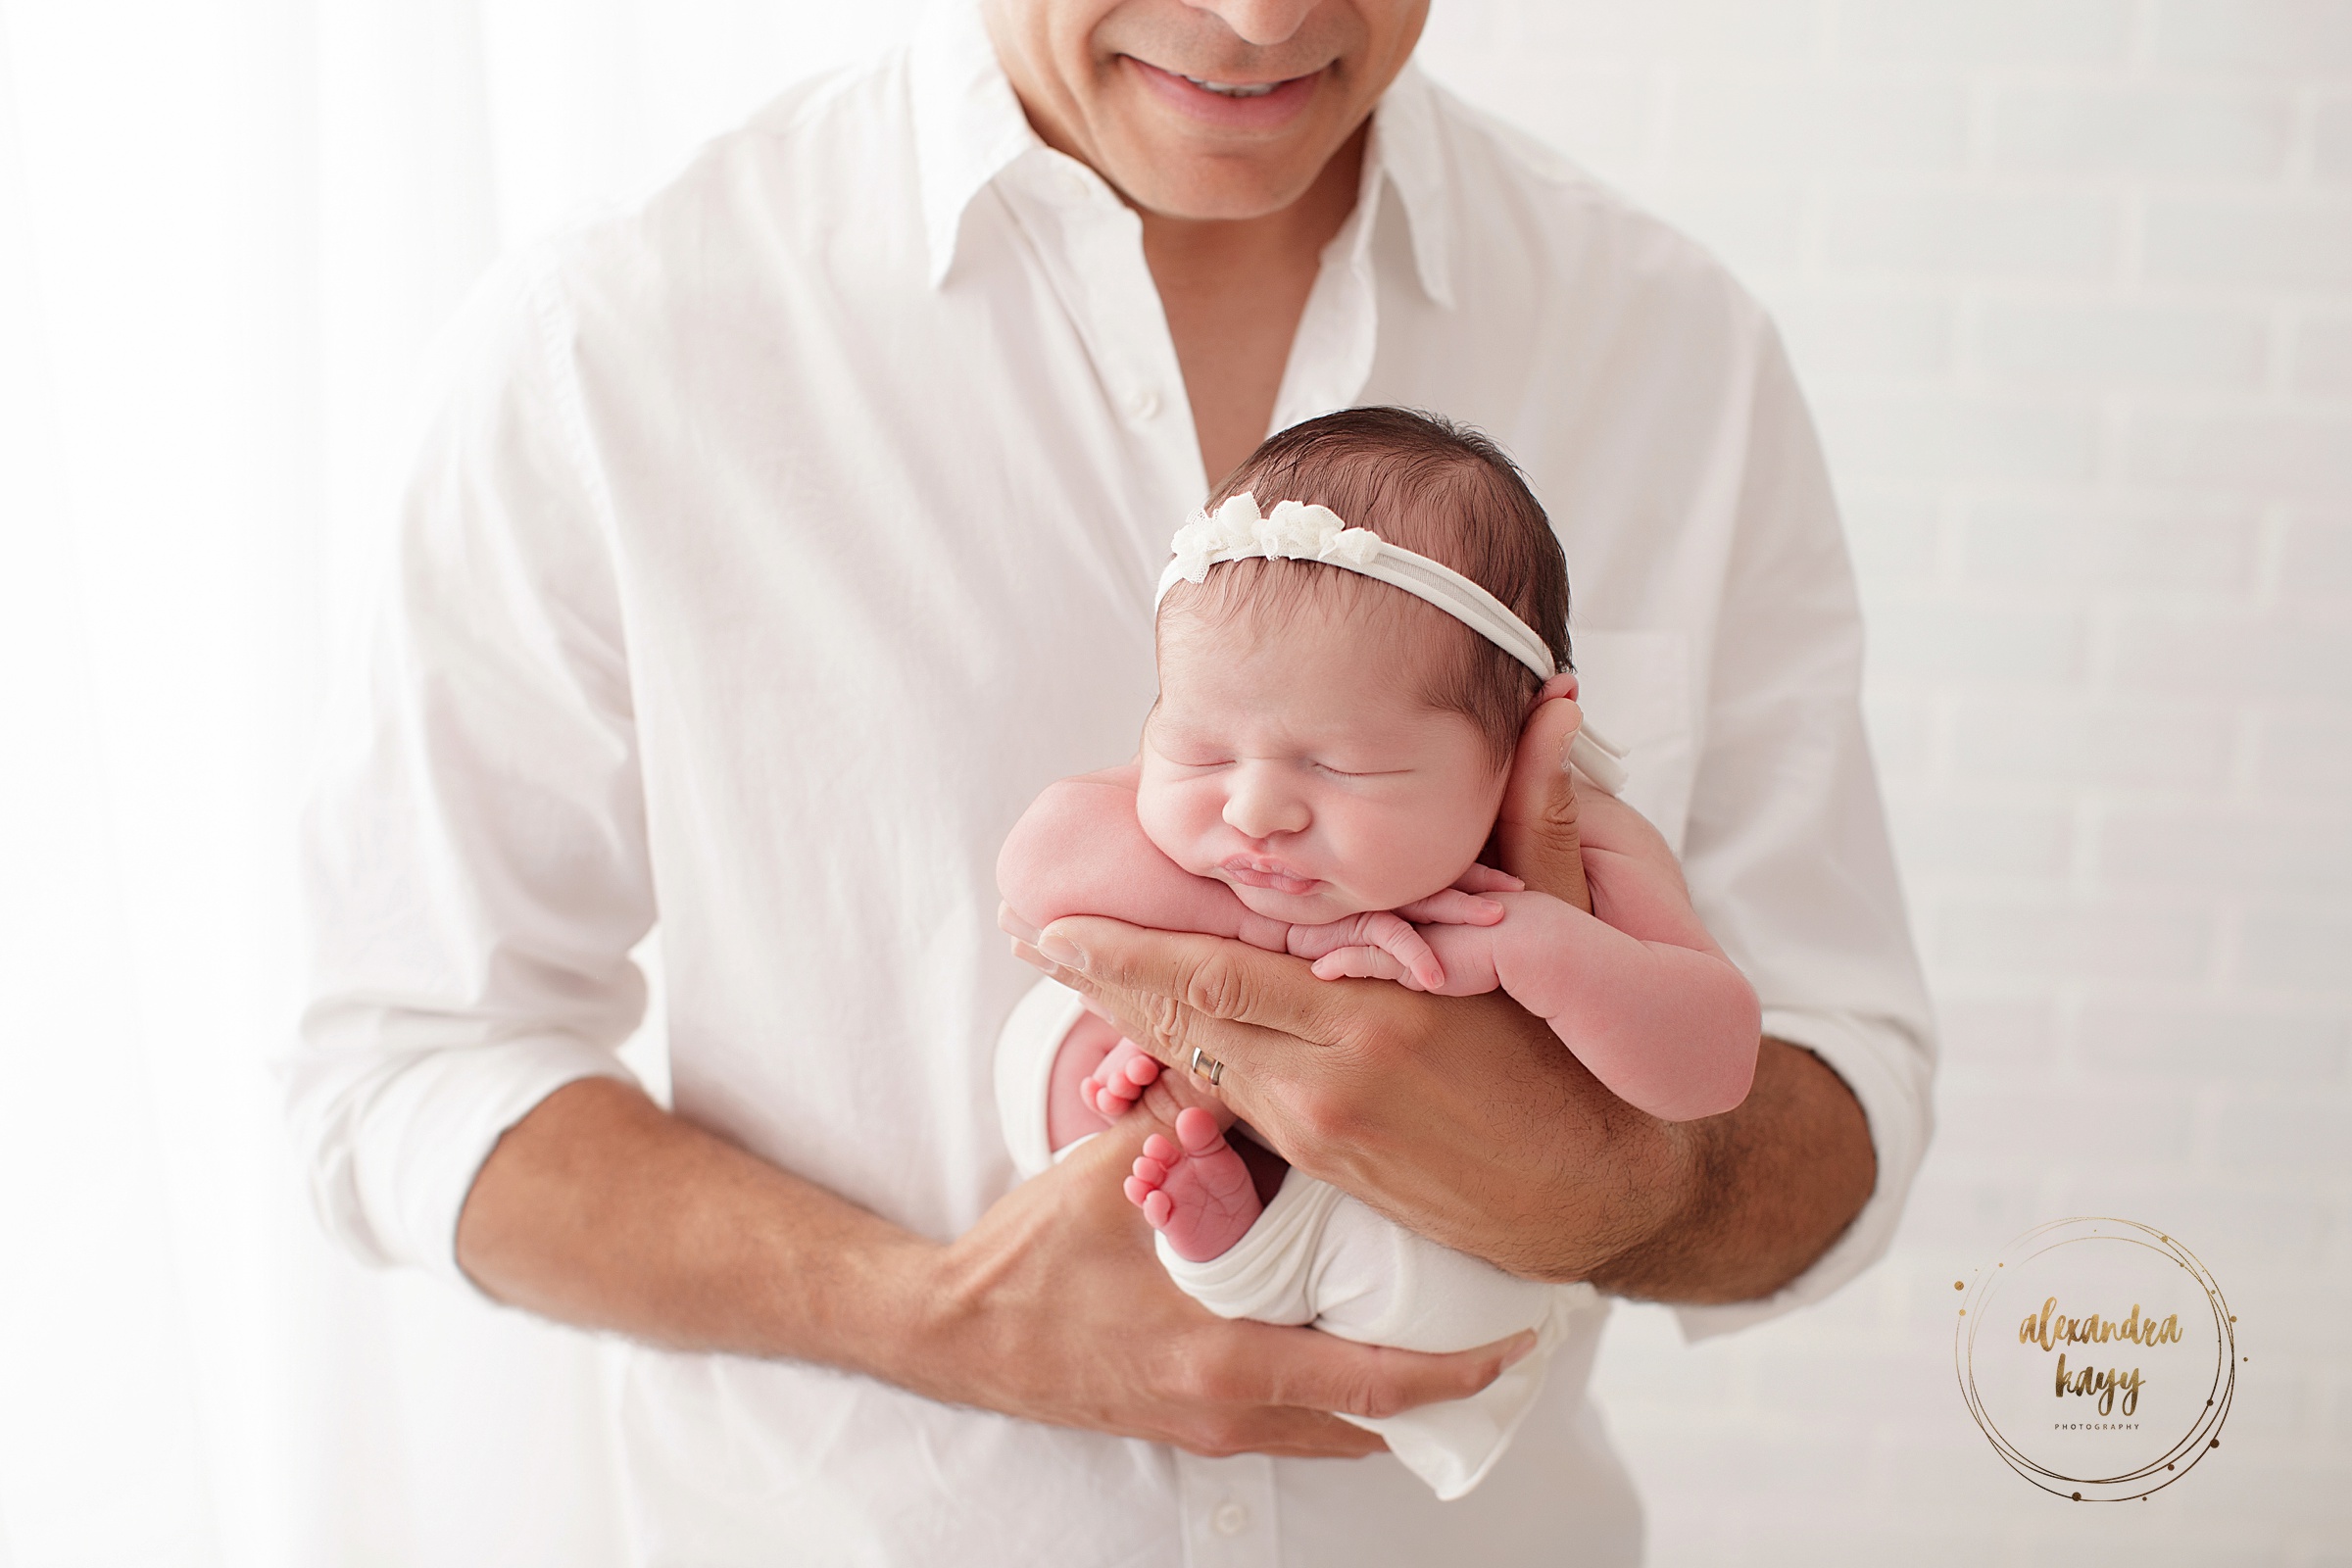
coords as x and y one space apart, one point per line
1460 904
1379 946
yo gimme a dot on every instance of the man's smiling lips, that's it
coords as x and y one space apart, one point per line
1253 871
1238 105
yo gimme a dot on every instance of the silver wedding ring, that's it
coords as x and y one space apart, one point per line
1208 1067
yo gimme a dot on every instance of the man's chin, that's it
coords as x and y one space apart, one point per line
1205 186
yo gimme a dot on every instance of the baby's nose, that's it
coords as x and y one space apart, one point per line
1259 808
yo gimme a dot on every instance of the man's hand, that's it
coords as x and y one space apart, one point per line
1053 1307
1464 1118
600 1209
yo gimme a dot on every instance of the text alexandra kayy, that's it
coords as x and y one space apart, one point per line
2111 1387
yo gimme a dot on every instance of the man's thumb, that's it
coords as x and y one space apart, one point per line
1538 825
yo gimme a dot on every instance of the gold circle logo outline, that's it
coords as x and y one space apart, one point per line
2176 1461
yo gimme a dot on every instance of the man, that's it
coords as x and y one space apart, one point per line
780 541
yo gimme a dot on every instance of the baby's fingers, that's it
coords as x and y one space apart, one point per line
1359 964
1486 879
1452 907
1409 948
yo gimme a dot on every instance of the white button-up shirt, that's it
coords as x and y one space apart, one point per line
777 543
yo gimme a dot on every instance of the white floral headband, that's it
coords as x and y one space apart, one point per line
1297 531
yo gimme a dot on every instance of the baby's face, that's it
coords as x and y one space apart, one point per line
1298 765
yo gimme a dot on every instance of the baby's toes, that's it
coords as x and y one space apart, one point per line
1138 1190
1142 1071
1158 1207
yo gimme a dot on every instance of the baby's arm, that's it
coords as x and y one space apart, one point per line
1637 989
1079 849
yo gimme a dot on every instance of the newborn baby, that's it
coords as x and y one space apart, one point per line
1345 682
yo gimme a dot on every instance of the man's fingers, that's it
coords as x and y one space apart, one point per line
1324 1372
1182 990
1287 1433
1537 822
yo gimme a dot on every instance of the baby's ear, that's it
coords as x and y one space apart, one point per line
1560 685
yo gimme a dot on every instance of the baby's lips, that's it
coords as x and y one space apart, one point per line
1274 876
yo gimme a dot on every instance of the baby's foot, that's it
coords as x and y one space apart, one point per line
1114 1086
1070 1113
1199 1196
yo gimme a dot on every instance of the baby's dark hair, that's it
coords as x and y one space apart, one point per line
1439 489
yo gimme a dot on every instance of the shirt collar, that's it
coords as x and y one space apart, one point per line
970 126
1405 153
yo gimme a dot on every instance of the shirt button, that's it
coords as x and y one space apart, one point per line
1231 1519
1143 405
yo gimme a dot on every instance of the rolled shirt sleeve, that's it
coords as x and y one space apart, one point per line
474 853
1786 849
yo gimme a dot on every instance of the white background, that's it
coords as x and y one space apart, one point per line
2070 284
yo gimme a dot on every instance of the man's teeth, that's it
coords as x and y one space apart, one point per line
1234 90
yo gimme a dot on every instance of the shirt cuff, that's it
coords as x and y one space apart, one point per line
394 1154
1888 1071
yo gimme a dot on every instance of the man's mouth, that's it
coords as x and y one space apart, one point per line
1235 89
1249 106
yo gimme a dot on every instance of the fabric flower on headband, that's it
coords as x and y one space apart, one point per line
1292 531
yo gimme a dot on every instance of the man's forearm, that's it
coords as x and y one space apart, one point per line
601 1211
1774 1183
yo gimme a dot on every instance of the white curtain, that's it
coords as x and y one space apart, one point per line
228 230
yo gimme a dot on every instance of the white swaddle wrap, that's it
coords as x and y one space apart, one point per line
1319 1258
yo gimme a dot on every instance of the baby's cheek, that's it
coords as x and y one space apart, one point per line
1167 816
1415 854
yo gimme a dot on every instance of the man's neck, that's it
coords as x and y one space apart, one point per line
1234 291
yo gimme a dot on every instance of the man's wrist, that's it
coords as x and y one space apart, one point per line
918 1320
1656 1185
1668 1187
1771 1186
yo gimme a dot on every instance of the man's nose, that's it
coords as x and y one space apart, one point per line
1260 805
1259 22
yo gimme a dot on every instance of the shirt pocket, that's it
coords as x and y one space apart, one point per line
1635 689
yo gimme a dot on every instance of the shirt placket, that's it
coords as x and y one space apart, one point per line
1091 246
1228 1511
